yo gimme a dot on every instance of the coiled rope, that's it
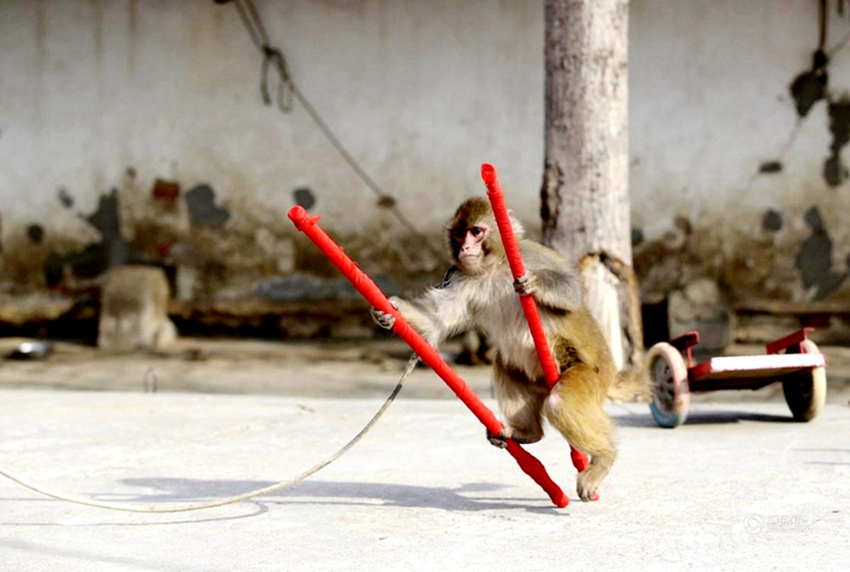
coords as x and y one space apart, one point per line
171 508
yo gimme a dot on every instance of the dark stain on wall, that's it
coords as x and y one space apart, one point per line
772 221
386 202
166 193
770 167
834 170
304 197
203 211
637 236
814 260
112 249
807 89
115 249
35 232
65 198
810 86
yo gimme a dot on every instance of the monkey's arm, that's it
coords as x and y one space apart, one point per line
549 279
556 290
438 314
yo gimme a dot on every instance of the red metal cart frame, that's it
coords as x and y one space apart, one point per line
793 360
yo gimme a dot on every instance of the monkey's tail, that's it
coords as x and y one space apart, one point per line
631 384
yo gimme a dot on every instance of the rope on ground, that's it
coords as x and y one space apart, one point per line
228 500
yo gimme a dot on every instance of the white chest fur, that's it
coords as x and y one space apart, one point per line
501 318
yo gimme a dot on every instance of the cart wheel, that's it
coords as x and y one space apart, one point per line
805 392
670 385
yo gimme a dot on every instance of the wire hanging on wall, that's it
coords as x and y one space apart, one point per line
287 91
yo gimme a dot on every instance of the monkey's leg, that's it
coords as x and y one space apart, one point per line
575 408
521 403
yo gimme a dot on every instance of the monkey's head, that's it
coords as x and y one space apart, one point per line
474 241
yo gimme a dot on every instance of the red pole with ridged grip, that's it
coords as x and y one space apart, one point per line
529 306
429 355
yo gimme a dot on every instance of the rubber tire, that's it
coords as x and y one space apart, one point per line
805 393
669 375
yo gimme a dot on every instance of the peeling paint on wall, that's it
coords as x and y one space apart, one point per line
834 170
637 236
166 193
810 86
814 260
304 197
65 198
770 167
111 250
806 90
772 221
202 208
35 232
106 221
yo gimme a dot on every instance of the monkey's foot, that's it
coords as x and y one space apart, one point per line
588 483
500 440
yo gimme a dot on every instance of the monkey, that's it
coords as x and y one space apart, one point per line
134 310
480 292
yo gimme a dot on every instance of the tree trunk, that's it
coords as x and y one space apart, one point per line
585 201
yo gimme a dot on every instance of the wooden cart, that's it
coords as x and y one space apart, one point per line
794 360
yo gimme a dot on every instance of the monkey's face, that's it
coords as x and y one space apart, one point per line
473 237
469 247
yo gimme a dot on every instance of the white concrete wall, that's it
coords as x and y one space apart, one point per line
420 92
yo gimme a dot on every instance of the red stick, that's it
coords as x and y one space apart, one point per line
373 295
529 306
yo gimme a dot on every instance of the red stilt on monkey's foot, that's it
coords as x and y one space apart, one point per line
580 460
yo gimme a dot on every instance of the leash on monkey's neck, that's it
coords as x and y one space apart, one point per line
411 364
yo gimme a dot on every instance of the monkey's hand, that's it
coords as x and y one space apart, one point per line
526 285
383 319
500 439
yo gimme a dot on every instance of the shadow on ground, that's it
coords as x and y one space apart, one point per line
330 493
707 418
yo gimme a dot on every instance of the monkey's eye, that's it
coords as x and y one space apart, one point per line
476 230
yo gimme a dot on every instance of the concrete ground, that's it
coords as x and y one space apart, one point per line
737 487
